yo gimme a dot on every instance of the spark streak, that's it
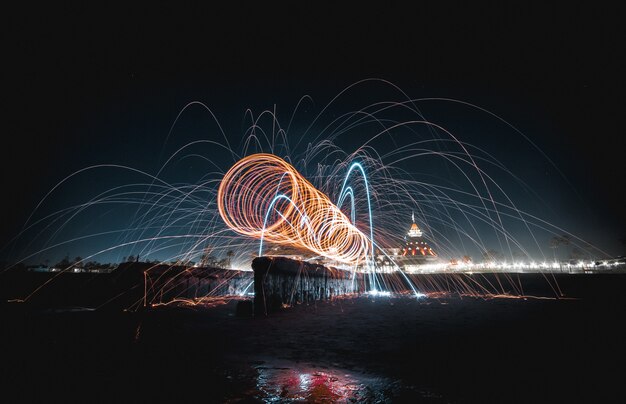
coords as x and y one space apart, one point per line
264 197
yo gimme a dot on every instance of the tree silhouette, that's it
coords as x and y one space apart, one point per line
554 245
230 254
557 241
207 259
64 263
577 254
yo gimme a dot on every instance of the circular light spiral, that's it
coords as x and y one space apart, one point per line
264 197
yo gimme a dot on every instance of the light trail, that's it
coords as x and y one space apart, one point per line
264 197
464 195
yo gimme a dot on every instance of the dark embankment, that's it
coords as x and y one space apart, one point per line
456 349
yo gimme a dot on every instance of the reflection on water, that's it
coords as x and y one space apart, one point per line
282 381
313 385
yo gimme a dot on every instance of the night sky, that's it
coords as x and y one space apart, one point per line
84 85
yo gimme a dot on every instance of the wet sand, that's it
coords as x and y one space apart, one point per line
457 350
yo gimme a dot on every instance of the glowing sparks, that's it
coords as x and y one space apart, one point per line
264 197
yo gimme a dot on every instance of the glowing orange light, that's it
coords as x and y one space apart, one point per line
264 197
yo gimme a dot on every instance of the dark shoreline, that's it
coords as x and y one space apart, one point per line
124 287
456 349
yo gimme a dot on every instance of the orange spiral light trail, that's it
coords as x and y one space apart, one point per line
264 197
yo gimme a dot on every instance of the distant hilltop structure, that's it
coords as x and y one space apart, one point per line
411 256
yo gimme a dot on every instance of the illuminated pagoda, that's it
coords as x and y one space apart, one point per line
410 257
415 245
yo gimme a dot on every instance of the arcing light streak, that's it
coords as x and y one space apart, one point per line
349 191
264 197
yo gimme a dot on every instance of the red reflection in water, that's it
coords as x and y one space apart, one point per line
285 384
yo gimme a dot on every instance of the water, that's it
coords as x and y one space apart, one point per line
280 384
280 381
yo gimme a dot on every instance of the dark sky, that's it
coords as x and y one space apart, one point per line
86 84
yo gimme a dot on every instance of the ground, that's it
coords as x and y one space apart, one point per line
431 350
